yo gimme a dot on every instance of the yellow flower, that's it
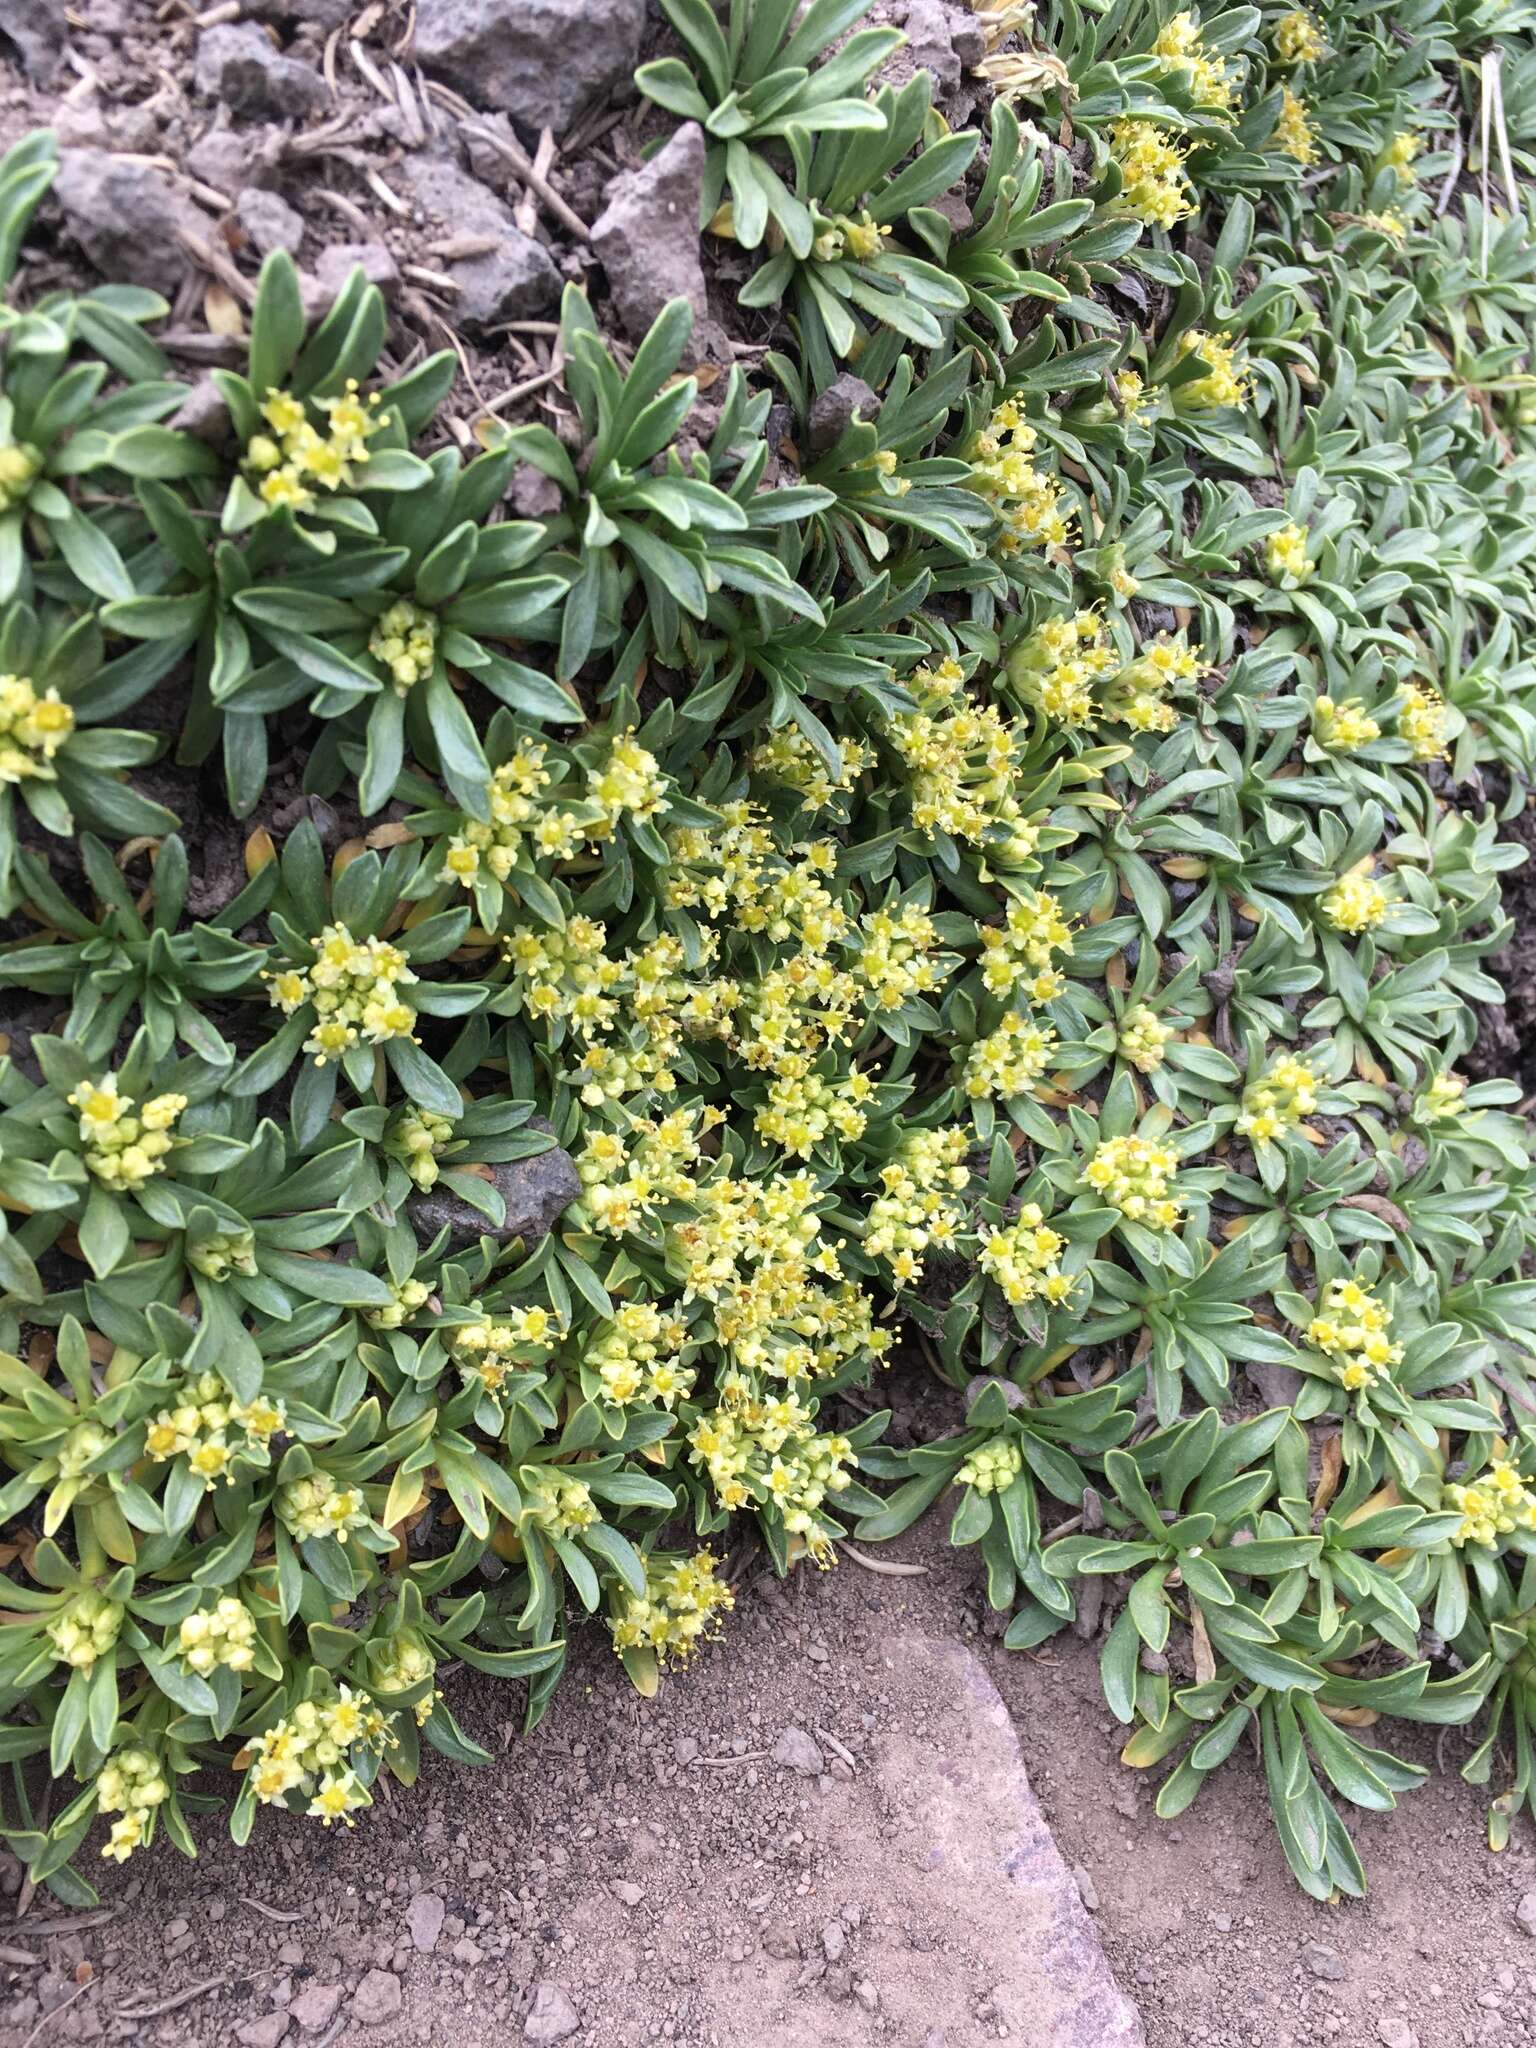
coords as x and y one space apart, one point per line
34 725
1295 136
1343 728
404 643
1227 382
1278 1100
1422 718
1297 38
1136 1176
1153 185
1356 902
1179 46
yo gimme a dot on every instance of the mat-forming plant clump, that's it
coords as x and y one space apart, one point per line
1014 889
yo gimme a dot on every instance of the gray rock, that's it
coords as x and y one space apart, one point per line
321 288
626 1891
35 30
833 410
944 40
1525 1913
270 221
516 279
551 2017
316 2006
537 1193
377 1998
234 162
127 217
967 1823
780 1940
541 61
833 1941
203 413
321 14
795 1751
1396 2033
1324 1962
238 64
424 1921
1087 1889
647 236
263 2032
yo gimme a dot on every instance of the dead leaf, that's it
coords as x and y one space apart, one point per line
221 310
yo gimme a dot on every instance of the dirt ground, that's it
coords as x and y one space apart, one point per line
653 1864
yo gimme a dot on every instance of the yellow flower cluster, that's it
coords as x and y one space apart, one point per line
1443 1100
1356 902
861 238
625 1177
320 1505
1295 136
130 1784
1278 1100
1179 46
917 1206
993 1467
764 1447
1352 1329
1024 1258
1153 184
1343 728
673 1616
20 466
1422 718
85 1628
407 1661
1138 399
86 1441
1389 223
415 1138
33 727
1399 155
1141 1038
1285 554
520 820
565 973
627 784
1026 500
490 1349
314 1751
1017 953
1227 381
211 1429
221 1635
639 1357
557 1502
787 756
802 1111
404 644
1139 697
1297 38
296 455
1136 1176
1495 1504
354 986
752 1250
224 1252
960 757
409 1298
1056 667
1010 1060
124 1151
